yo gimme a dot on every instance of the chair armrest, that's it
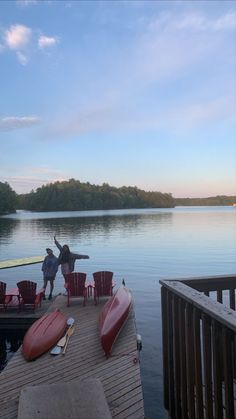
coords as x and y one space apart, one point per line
39 296
8 299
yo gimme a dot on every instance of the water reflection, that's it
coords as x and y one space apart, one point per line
7 229
72 227
10 341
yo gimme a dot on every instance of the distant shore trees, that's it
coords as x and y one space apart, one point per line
8 199
210 201
73 195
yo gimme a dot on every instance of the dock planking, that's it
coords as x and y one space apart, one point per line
84 358
14 263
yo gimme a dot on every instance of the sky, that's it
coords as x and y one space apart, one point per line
134 93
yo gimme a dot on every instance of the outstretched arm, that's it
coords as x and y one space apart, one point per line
59 246
76 256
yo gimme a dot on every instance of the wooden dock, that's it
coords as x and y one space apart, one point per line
84 358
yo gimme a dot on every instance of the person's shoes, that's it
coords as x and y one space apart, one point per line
50 296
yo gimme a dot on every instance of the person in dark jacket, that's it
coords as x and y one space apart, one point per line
49 268
67 259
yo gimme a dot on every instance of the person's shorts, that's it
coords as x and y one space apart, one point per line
65 269
49 278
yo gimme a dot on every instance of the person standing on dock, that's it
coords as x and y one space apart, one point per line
49 268
67 259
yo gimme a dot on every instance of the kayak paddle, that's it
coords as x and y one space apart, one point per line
56 350
69 334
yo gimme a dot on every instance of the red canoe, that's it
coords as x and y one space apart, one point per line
43 334
113 316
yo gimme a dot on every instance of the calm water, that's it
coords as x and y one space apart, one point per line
142 246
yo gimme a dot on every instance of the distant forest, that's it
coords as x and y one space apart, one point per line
214 201
73 195
8 199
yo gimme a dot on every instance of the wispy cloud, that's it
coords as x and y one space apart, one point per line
26 3
193 21
221 108
11 123
46 41
228 21
33 178
166 52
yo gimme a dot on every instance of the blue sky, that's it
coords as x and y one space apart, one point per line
127 92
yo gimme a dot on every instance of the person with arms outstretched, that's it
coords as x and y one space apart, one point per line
67 259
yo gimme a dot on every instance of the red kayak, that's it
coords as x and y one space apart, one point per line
113 316
43 334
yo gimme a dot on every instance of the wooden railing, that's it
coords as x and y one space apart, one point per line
199 347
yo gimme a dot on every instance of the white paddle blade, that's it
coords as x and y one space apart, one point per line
56 350
62 342
70 321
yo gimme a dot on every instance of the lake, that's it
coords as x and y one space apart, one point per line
141 246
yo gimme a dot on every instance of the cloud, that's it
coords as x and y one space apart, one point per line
221 108
37 177
26 3
17 37
22 58
228 21
46 41
14 122
193 21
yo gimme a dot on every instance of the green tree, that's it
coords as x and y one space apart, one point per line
8 199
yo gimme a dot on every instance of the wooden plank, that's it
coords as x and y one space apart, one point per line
217 370
170 363
189 360
176 340
165 346
207 365
14 263
232 299
182 351
197 363
228 373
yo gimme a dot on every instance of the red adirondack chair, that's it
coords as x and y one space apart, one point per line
103 285
28 296
4 299
75 286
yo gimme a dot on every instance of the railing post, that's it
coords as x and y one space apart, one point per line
165 346
189 360
198 363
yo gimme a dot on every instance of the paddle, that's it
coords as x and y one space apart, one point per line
56 350
69 334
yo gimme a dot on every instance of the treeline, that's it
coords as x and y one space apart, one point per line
8 199
210 201
74 195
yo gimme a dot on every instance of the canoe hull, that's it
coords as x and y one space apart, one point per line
43 334
113 316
